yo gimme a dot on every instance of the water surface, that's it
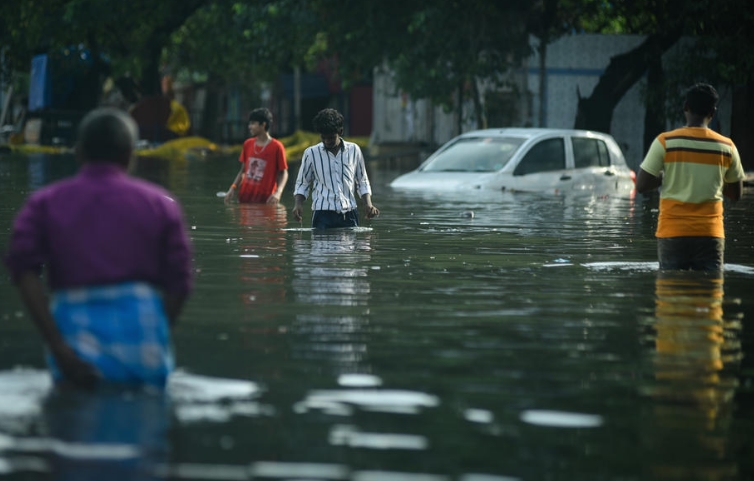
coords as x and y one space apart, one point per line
534 340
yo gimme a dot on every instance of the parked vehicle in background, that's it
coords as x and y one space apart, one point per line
525 159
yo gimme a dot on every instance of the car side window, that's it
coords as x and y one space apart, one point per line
545 156
589 153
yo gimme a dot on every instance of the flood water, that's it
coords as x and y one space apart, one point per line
532 341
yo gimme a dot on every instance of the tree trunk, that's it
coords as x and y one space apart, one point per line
151 73
655 121
542 49
459 110
481 117
742 124
211 111
596 111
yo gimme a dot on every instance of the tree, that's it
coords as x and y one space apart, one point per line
595 112
440 50
718 35
260 41
124 39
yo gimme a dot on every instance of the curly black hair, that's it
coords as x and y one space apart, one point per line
701 99
328 121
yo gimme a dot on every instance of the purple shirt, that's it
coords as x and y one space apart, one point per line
101 227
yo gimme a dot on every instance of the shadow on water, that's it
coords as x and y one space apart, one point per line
531 340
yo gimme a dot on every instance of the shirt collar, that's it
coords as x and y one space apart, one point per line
102 169
341 149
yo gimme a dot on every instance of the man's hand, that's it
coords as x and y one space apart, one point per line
298 208
273 199
75 370
371 211
230 195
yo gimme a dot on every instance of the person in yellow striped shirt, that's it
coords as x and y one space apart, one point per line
694 167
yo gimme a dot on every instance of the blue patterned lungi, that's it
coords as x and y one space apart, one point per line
122 330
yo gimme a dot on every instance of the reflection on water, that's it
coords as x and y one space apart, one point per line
531 341
697 352
331 279
108 433
260 237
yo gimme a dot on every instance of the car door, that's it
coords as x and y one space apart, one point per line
543 167
592 167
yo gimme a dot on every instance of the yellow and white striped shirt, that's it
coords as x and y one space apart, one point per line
696 161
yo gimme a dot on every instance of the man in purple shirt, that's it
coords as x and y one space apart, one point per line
117 260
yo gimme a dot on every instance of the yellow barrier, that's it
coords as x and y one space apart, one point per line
187 147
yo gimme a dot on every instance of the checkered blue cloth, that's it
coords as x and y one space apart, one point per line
120 329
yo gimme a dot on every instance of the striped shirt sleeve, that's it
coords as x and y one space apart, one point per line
653 161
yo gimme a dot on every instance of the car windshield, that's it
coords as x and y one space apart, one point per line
475 154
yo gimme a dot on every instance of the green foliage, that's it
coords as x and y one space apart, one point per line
436 48
131 34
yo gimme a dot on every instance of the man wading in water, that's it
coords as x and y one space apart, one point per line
118 263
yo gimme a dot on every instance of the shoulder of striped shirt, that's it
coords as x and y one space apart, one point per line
688 134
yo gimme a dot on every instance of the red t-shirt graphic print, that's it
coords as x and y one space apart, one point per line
260 169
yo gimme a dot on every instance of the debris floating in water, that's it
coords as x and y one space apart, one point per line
468 213
220 194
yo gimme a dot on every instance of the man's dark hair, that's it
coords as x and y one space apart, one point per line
107 135
701 99
328 121
261 115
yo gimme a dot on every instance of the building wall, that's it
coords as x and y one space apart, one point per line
574 66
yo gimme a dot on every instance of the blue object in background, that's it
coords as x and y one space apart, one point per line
40 85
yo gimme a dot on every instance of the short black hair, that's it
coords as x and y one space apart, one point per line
261 115
107 135
701 99
328 121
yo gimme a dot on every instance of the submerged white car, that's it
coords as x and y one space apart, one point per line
525 159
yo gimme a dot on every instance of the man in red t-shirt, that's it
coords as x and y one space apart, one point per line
264 169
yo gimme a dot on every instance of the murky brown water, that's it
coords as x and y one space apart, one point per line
533 341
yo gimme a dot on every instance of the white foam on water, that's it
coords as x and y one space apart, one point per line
371 400
561 419
22 391
210 472
220 412
101 451
478 416
186 388
345 435
210 399
359 380
738 268
269 469
623 266
395 476
486 477
651 266
328 231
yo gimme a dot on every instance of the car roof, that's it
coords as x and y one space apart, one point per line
528 133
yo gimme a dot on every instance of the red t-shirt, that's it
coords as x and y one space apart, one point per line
260 169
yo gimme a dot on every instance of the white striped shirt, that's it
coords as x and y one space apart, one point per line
334 177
